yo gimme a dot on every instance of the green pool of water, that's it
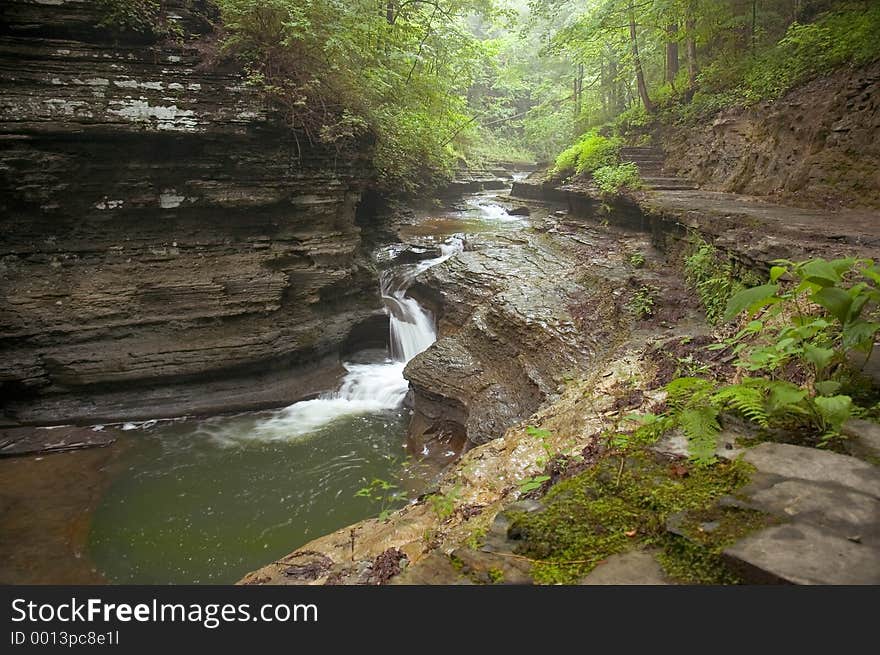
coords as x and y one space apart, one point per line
205 501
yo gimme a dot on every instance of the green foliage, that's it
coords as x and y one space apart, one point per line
611 180
383 493
136 16
812 316
641 305
544 437
714 280
444 504
842 289
348 74
608 509
637 260
533 483
591 152
808 50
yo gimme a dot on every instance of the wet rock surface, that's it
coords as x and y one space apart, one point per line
27 441
169 247
512 311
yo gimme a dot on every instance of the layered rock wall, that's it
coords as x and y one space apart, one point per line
819 144
169 247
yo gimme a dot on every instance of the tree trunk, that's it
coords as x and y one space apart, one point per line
614 85
754 30
389 12
693 69
637 62
671 53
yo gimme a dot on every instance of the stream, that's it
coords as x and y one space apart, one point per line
206 500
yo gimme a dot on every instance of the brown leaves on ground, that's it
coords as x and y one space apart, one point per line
386 566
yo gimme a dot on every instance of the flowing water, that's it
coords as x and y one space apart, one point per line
206 501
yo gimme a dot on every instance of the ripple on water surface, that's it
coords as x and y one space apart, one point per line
207 501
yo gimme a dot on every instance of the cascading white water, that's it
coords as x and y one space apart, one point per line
412 327
368 387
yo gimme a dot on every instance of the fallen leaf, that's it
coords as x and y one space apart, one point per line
678 471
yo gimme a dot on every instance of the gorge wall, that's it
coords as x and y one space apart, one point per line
819 144
169 247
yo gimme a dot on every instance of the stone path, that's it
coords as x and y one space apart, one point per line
650 162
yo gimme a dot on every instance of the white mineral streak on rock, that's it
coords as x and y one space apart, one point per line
168 117
169 199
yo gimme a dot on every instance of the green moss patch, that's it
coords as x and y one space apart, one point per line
693 555
615 506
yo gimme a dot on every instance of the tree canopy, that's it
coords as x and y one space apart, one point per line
430 85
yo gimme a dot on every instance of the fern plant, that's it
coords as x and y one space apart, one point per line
696 406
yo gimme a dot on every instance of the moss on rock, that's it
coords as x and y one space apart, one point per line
617 505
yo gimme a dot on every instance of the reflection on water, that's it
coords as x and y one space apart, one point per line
205 501
477 213
208 501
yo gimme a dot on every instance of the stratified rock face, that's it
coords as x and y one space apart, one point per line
517 318
168 247
818 144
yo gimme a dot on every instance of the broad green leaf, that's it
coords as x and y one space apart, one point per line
827 387
835 300
777 272
860 334
751 299
784 395
872 273
821 272
818 357
835 410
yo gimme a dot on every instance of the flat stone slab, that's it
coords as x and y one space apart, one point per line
637 567
435 569
864 438
34 441
815 465
799 553
848 513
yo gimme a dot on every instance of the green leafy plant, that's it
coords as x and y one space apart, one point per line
812 322
530 484
789 330
444 504
612 179
591 152
544 437
382 492
641 305
137 16
637 260
714 279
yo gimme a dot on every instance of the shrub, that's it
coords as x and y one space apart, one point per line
592 151
610 180
807 330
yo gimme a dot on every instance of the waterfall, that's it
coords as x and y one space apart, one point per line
412 326
370 387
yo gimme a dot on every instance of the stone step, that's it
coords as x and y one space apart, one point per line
651 168
637 567
669 183
643 157
819 519
640 150
820 466
800 553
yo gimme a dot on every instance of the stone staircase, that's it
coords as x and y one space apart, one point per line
650 162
